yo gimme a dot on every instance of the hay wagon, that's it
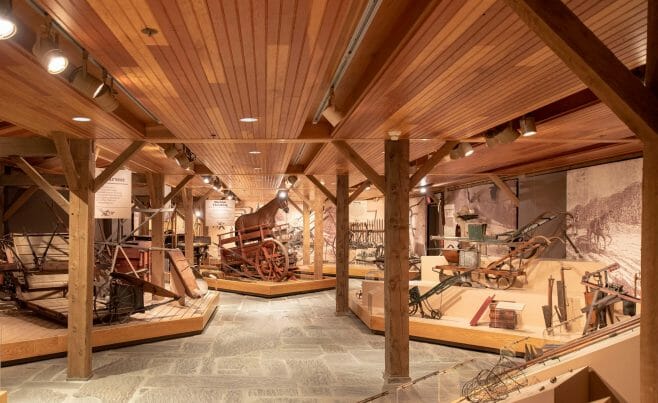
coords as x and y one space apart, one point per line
256 253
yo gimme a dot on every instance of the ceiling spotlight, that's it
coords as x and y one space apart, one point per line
182 160
257 168
248 120
216 188
206 179
461 150
368 187
81 119
282 194
528 127
106 98
84 82
7 24
292 179
170 151
197 213
504 136
47 50
230 196
423 189
254 152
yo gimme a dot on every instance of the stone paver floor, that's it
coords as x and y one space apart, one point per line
291 349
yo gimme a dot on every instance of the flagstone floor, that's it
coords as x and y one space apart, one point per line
291 349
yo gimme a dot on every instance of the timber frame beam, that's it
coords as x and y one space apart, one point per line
436 157
357 192
511 195
117 164
322 188
175 191
591 60
19 202
352 156
64 153
42 183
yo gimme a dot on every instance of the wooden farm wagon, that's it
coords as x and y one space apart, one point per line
256 253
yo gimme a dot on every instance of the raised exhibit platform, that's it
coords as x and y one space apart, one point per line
271 289
26 336
360 271
459 305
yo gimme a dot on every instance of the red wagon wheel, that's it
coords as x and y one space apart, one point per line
272 260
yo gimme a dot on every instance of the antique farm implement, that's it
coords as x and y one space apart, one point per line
254 253
253 250
501 273
420 302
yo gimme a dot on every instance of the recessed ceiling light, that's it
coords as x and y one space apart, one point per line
81 119
248 120
258 168
254 152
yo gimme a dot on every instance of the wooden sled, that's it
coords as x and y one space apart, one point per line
183 274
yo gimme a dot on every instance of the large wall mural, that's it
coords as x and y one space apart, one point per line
606 203
488 202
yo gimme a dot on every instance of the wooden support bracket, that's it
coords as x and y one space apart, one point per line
42 183
322 188
362 187
360 164
64 153
175 191
19 202
589 58
506 189
109 171
436 157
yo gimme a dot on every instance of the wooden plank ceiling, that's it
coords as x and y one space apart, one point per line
460 68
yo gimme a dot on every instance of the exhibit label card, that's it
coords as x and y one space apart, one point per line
114 199
220 212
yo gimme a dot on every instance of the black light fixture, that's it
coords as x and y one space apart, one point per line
461 150
528 127
291 180
7 24
282 194
47 51
499 136
106 97
170 151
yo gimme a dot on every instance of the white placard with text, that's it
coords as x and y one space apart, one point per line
114 199
220 212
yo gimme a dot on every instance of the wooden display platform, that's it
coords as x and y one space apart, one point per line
355 271
269 289
26 336
370 272
453 328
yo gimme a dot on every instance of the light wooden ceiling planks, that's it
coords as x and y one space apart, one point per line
214 62
39 102
476 65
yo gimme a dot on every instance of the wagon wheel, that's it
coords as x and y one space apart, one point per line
504 282
272 260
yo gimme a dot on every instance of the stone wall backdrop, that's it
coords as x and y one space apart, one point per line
606 202
489 203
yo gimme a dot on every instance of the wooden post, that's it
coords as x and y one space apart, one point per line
649 264
306 245
188 205
342 247
396 261
318 235
156 182
81 261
